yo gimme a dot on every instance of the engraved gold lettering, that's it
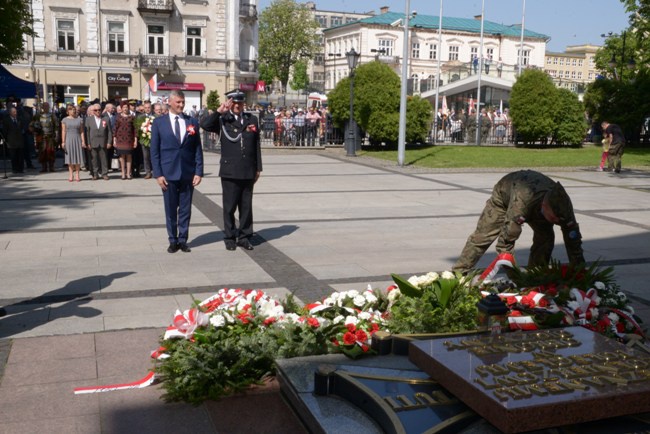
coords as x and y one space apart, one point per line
405 400
393 404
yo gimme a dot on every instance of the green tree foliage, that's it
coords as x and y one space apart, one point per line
266 74
570 123
419 117
533 103
17 22
299 77
287 35
213 100
376 105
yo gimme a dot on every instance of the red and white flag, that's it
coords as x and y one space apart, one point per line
153 83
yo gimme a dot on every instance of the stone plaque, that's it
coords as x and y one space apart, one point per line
532 380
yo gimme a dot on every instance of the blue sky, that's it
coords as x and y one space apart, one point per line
567 22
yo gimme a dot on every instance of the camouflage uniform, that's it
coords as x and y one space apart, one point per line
45 127
471 128
517 199
486 124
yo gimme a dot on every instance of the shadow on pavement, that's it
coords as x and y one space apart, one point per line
27 314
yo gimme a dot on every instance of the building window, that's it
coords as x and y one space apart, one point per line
433 51
490 53
193 45
591 76
453 52
319 59
579 75
473 52
115 37
416 83
65 33
415 50
350 20
591 63
387 46
155 40
336 20
574 62
319 76
548 60
555 61
561 61
525 59
321 20
573 74
580 63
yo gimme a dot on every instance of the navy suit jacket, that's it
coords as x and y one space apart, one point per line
171 159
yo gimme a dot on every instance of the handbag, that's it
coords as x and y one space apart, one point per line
115 163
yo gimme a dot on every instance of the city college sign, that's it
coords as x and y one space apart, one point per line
118 79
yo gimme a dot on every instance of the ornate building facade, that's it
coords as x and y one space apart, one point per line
111 49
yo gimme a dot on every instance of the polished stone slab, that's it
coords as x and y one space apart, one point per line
533 380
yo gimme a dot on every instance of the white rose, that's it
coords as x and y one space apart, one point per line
599 285
613 317
338 319
414 280
359 300
351 319
365 316
394 295
621 296
370 297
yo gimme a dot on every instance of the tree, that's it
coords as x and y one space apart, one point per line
287 35
570 123
213 100
17 22
376 105
533 104
299 77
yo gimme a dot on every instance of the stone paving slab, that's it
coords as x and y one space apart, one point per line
86 263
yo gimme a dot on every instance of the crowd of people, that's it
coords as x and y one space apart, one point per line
461 127
94 137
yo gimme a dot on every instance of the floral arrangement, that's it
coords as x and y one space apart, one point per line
143 127
231 340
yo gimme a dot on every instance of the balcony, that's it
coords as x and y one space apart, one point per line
165 63
248 65
164 7
390 60
247 10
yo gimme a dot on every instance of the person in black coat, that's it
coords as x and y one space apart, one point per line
13 129
240 166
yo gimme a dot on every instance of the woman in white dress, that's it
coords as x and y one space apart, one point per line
73 142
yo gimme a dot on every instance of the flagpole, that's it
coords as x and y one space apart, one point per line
480 70
401 140
439 55
521 40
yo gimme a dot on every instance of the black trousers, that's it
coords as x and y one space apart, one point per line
17 156
237 195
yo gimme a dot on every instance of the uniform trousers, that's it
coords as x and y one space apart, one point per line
178 209
237 195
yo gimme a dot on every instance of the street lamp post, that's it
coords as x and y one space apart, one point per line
612 63
353 58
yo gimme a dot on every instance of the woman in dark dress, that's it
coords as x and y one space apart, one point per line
125 139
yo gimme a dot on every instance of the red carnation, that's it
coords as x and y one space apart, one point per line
312 322
620 327
361 336
349 338
351 327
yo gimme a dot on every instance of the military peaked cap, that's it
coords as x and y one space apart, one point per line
237 96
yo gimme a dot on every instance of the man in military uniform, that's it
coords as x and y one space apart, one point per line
524 197
614 134
45 127
471 127
240 166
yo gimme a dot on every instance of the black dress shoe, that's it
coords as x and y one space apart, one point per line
184 247
230 244
173 248
244 244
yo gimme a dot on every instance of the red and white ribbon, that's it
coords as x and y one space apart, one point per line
502 259
521 323
144 382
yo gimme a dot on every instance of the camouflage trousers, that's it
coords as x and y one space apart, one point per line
492 225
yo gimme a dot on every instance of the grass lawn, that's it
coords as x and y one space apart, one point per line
477 156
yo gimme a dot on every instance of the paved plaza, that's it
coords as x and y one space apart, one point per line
89 287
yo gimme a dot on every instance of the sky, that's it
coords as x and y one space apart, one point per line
567 22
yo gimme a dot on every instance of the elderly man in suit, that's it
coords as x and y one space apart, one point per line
177 164
100 138
13 129
240 166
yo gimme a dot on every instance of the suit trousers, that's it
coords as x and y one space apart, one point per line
100 163
146 157
178 209
17 156
237 195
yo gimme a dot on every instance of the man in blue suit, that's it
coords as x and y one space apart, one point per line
177 165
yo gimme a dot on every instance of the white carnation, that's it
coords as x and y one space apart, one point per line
351 319
622 296
613 317
448 275
599 286
370 297
365 316
217 320
338 319
394 295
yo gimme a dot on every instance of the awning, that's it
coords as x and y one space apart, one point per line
166 85
10 85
